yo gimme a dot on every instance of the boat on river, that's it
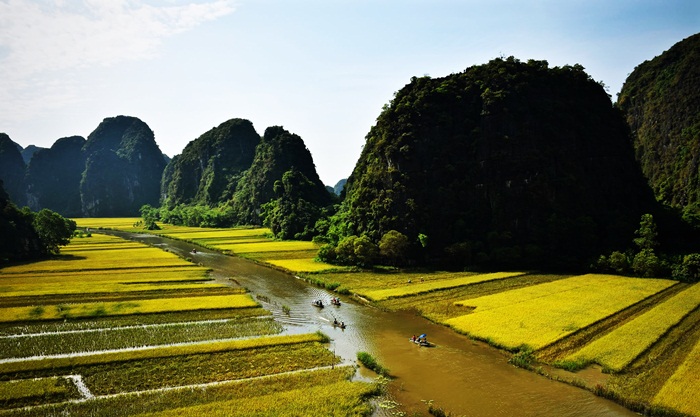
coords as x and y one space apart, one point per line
317 303
335 301
421 340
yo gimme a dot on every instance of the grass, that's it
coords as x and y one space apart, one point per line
133 320
370 362
95 252
301 265
93 299
620 347
246 392
541 314
104 264
338 399
154 373
680 392
34 391
126 337
167 351
158 305
424 287
121 223
252 243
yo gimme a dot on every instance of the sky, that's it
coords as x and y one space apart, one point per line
322 69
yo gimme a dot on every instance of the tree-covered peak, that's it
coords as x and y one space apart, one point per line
209 168
661 102
507 161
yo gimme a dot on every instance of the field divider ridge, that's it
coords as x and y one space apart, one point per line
34 363
203 385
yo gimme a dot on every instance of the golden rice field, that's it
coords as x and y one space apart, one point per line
542 314
151 352
253 243
115 325
632 327
423 287
618 348
102 264
680 392
114 308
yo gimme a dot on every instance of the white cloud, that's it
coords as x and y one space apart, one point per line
41 39
56 34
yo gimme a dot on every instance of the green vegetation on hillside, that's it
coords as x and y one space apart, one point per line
28 235
209 168
510 163
12 170
54 175
661 101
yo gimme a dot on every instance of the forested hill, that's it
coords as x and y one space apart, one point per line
509 163
209 168
661 101
112 173
279 154
12 170
123 168
54 174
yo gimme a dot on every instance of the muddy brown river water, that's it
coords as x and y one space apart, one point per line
461 376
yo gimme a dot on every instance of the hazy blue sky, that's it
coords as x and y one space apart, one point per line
323 69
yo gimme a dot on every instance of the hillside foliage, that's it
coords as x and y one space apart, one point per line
28 235
661 102
509 163
209 168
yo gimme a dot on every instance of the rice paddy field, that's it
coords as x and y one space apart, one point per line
643 333
117 328
251 243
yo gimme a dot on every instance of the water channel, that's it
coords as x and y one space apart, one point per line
461 376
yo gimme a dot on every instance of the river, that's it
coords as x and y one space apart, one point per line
461 376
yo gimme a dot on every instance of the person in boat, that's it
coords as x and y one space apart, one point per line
194 250
335 322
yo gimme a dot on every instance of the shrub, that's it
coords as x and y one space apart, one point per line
370 362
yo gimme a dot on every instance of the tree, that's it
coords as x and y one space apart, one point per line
393 246
646 233
360 251
150 216
689 270
366 252
53 229
619 262
646 263
293 214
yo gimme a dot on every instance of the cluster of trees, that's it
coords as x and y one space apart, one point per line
644 261
392 249
29 235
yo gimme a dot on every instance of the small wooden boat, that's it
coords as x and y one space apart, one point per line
339 324
335 302
317 303
421 340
